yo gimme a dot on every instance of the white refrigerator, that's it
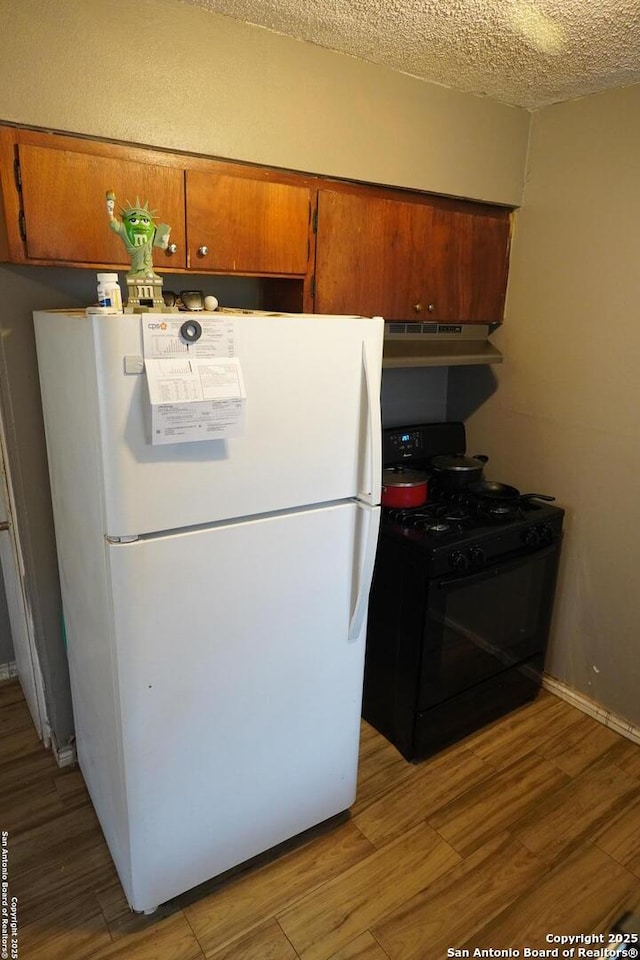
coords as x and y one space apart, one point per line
215 592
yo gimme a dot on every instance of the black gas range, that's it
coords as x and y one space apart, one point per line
460 604
460 534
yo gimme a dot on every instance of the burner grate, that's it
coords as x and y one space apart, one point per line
459 512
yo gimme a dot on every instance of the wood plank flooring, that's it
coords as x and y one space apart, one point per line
529 827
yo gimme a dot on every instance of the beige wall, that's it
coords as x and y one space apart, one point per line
216 86
565 418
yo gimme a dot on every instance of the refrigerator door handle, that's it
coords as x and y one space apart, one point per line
374 433
369 538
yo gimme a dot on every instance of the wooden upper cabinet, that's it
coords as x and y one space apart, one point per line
479 243
65 217
239 225
401 254
370 255
409 260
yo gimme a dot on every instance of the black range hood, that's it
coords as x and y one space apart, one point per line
438 344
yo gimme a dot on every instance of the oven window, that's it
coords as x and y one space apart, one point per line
479 625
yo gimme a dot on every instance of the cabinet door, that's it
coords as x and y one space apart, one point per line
239 225
373 256
441 260
65 211
478 244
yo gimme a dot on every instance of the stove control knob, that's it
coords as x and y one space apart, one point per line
458 561
477 556
546 533
531 537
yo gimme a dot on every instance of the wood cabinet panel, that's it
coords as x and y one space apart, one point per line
370 255
479 245
247 226
64 204
410 260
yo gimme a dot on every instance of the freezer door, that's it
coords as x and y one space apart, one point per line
239 687
312 431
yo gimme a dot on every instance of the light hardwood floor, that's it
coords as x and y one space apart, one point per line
530 827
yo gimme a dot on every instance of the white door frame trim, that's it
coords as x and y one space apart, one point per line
22 625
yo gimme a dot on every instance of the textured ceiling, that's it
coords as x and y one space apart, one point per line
524 52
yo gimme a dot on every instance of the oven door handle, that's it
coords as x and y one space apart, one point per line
468 579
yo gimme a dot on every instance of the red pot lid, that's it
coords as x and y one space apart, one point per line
403 477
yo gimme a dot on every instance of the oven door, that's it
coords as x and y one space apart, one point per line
483 647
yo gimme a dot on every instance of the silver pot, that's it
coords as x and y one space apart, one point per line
457 471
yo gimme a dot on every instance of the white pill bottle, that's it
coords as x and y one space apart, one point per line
109 294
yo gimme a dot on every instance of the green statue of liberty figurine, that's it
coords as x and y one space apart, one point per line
140 234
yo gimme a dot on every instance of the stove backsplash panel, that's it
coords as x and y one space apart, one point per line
414 395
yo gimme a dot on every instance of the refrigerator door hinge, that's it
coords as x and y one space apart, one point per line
22 224
17 173
121 539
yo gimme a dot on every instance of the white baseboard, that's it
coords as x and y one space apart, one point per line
591 708
8 670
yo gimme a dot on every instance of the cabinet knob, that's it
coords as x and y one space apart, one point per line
203 251
431 307
172 248
417 307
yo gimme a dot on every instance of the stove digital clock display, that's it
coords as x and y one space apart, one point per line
406 444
